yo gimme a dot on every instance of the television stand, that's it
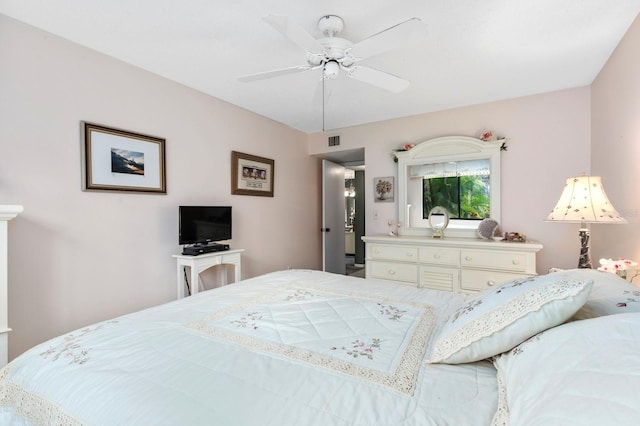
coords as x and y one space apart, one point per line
199 264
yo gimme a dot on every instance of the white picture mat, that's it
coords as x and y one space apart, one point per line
101 145
254 184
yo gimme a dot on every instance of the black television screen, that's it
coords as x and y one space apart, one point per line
202 224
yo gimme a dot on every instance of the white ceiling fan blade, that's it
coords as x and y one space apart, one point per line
399 35
294 32
378 78
274 73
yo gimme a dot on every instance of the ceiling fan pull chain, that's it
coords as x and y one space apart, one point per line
323 80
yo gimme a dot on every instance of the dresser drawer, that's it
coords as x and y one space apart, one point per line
439 256
408 254
507 261
394 271
474 280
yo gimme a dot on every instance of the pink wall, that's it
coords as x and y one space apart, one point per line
549 141
78 257
615 147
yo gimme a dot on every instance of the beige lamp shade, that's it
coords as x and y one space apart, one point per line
583 200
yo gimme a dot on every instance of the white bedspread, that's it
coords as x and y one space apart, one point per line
287 348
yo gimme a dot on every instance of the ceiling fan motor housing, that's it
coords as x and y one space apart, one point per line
330 25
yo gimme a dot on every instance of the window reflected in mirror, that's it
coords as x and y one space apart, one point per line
464 197
462 187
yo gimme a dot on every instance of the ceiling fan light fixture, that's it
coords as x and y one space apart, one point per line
331 70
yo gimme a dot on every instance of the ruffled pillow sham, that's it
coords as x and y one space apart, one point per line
498 319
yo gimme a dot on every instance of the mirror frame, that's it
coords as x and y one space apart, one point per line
438 231
444 149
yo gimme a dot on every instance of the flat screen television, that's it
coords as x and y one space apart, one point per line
203 224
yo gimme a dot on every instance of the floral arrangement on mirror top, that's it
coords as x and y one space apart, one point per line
485 135
624 268
404 147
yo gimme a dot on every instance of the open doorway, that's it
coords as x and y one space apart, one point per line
354 220
349 202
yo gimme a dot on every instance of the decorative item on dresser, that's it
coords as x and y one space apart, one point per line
438 220
489 229
452 264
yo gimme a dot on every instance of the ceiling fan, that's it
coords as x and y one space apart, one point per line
334 54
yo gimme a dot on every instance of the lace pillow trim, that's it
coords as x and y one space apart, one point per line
31 406
402 380
504 315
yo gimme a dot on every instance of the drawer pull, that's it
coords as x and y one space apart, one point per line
392 272
436 256
376 251
515 261
491 283
409 254
468 258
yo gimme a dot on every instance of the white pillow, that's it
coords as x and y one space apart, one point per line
609 295
498 319
579 373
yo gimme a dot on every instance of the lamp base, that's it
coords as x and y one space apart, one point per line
585 258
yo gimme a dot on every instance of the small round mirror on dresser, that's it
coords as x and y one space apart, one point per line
438 221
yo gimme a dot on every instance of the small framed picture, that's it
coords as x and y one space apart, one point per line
383 189
251 175
118 160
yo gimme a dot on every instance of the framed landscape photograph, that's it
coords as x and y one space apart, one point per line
251 175
118 160
383 189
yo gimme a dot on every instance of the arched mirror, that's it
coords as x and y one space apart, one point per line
459 173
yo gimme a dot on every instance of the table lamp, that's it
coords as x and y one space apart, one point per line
583 201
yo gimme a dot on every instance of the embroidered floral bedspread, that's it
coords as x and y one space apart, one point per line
380 341
292 347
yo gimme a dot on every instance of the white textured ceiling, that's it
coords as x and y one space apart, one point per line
476 51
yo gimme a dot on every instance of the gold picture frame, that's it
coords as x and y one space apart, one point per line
119 160
252 175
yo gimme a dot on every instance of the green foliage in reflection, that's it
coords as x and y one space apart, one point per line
464 197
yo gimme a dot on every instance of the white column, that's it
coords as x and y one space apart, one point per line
6 214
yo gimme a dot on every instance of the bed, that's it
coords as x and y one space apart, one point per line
306 347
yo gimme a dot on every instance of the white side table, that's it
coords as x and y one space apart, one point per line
200 263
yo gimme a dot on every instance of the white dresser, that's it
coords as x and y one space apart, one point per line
453 264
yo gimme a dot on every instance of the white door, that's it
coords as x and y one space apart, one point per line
333 217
